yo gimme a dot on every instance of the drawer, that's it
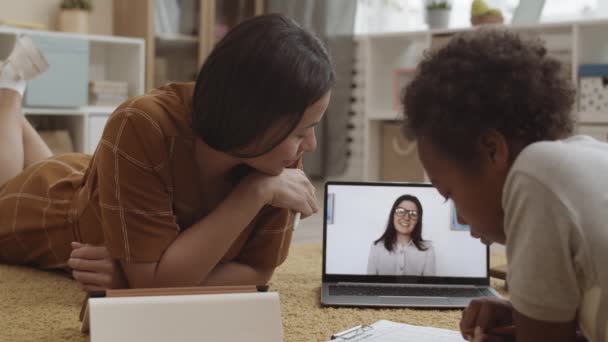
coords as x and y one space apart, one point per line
65 84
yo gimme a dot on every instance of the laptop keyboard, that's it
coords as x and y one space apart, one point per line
405 291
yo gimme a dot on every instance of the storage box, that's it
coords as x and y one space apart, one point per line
593 92
65 83
399 160
59 141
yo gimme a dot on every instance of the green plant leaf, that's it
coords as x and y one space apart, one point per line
85 5
438 5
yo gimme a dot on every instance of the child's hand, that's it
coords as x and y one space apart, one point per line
484 314
94 269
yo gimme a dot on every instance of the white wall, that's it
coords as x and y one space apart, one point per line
360 217
45 12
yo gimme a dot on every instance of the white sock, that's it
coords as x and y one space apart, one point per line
10 79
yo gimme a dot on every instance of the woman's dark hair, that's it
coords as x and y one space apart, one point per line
390 233
264 73
487 79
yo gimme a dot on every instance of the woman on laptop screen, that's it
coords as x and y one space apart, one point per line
401 249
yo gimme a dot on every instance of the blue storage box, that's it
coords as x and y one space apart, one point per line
65 84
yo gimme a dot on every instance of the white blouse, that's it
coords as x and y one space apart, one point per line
403 260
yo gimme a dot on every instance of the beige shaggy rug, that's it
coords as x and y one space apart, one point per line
44 306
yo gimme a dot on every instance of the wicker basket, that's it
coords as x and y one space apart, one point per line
487 19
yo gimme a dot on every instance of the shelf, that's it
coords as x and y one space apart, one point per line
177 37
592 118
99 109
545 26
378 86
79 111
596 22
109 58
88 37
422 34
384 114
176 40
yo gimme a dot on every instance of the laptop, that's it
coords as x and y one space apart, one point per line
442 266
251 317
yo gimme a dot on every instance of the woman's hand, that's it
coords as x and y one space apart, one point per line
484 314
94 269
290 190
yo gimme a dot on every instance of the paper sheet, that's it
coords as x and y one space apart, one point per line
387 331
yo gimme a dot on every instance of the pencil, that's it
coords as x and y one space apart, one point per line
507 330
296 220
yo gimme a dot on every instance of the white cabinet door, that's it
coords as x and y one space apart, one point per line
97 122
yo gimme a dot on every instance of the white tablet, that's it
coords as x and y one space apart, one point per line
251 317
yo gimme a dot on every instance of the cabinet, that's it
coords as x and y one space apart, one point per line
380 58
69 58
58 100
178 54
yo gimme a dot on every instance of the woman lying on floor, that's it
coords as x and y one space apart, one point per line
191 184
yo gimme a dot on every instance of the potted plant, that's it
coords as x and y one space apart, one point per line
74 16
482 14
438 13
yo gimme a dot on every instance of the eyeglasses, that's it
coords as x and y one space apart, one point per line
401 212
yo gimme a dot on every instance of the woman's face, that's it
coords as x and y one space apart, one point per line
302 139
405 217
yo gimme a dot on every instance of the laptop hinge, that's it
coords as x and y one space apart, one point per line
460 286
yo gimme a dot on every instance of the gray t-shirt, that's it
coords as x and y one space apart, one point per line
402 260
555 202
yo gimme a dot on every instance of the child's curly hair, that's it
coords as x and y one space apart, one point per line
488 79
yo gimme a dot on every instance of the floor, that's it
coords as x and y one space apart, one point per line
310 230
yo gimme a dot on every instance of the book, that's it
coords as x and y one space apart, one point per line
389 331
593 70
106 99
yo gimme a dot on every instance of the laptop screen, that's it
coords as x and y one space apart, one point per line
393 230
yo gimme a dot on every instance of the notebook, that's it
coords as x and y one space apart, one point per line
388 331
217 315
433 262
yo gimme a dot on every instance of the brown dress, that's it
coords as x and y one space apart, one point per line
134 195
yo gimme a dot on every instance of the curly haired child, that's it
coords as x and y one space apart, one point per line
492 115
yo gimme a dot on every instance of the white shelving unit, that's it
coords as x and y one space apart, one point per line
379 55
110 58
